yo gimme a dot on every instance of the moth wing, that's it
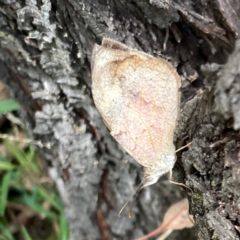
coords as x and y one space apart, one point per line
138 97
148 118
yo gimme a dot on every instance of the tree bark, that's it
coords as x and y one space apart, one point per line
45 62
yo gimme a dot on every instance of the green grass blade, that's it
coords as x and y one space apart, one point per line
33 204
26 159
4 192
25 234
8 106
5 165
48 197
63 226
5 233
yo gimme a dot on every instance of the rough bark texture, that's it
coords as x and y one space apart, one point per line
44 60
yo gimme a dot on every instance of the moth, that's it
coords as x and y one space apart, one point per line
138 98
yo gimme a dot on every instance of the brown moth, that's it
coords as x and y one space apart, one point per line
138 98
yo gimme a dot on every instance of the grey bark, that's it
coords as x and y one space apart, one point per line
44 60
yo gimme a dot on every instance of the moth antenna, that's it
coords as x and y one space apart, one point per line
134 201
181 148
181 184
170 176
134 193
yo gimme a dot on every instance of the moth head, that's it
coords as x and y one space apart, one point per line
154 172
149 180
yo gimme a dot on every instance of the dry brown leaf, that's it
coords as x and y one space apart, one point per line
175 218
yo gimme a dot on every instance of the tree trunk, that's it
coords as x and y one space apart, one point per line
45 62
